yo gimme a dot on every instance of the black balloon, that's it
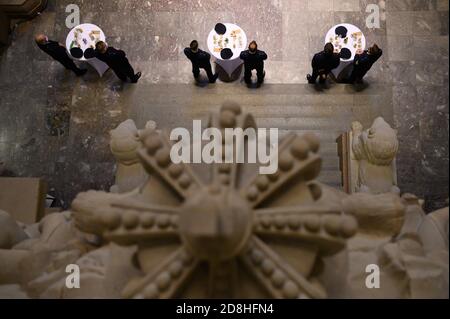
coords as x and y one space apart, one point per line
77 53
220 28
341 31
346 54
89 53
226 54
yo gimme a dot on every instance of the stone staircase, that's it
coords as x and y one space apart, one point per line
299 108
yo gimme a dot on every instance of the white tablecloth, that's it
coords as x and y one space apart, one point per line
86 36
226 42
354 41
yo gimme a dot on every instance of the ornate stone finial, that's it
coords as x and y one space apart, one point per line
228 226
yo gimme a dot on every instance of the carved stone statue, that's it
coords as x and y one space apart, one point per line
125 141
225 231
373 153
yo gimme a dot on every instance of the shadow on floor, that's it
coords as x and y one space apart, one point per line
202 82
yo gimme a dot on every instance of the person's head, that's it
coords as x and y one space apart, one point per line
41 39
253 47
194 46
374 49
329 48
101 46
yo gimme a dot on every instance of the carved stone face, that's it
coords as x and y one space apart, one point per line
125 142
357 127
380 142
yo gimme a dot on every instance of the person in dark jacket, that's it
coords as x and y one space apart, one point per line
58 52
322 64
200 60
363 63
253 60
117 61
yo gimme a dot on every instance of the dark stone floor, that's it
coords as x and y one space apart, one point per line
56 126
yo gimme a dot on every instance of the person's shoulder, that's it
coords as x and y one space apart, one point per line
318 54
112 50
49 43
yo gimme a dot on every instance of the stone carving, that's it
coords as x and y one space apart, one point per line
373 153
225 226
10 232
388 238
125 141
224 231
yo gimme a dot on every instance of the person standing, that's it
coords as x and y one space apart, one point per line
117 60
322 64
200 60
363 63
253 60
58 52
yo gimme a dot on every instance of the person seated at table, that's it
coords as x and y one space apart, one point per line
117 61
363 63
200 60
253 60
322 64
58 52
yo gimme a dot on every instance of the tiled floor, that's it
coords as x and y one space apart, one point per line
36 92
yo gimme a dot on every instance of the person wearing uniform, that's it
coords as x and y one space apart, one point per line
322 64
200 60
253 60
363 63
58 52
117 61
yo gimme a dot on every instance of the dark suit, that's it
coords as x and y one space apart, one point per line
253 61
362 64
118 62
322 64
200 60
60 54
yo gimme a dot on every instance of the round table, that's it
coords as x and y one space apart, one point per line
80 44
226 42
348 40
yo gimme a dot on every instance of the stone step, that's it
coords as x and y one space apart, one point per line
214 101
330 177
236 88
330 162
324 136
313 123
296 108
265 111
